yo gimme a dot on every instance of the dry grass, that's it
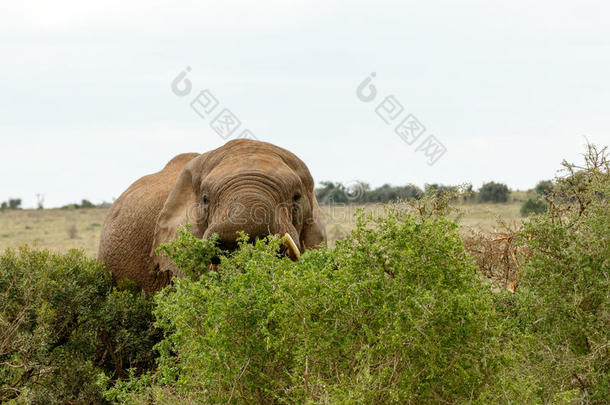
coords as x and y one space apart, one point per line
54 229
499 255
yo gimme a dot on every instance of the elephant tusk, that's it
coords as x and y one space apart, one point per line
292 246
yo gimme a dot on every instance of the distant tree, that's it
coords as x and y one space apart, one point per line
410 191
358 192
533 206
334 193
387 193
14 203
331 193
469 194
383 194
3 206
544 187
494 192
437 190
361 193
322 192
75 206
86 204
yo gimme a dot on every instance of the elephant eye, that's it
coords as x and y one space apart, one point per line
205 200
296 197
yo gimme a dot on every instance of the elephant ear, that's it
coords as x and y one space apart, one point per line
180 208
314 231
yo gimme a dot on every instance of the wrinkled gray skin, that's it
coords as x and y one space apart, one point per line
245 185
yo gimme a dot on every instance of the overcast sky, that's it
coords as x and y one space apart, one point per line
508 88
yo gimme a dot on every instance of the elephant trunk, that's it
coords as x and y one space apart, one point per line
253 212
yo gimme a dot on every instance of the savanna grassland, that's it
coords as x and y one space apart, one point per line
54 229
64 229
440 299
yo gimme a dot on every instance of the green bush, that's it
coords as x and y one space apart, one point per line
394 314
494 192
532 206
563 300
63 324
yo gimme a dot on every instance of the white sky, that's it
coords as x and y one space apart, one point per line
510 88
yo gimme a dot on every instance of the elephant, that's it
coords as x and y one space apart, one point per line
244 185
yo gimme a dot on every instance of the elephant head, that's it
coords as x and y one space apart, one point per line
248 186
